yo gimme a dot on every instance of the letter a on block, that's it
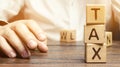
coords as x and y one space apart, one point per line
95 14
94 34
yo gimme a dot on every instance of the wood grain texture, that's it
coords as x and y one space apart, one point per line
70 55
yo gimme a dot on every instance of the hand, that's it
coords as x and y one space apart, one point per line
20 36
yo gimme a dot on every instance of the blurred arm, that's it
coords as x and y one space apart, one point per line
9 8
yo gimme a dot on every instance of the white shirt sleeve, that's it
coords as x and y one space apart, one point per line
9 8
55 15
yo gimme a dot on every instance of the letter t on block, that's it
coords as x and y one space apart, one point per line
95 14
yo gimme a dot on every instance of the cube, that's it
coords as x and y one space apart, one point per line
95 14
108 36
94 34
95 53
68 36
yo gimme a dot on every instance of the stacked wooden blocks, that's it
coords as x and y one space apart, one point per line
68 36
94 35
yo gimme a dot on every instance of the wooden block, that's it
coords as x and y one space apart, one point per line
95 53
108 37
68 36
95 14
94 34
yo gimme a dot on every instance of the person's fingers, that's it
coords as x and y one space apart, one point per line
35 31
42 46
6 48
25 34
34 27
40 35
16 43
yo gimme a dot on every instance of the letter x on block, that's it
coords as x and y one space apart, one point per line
95 53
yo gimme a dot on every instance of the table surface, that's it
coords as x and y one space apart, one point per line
64 55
